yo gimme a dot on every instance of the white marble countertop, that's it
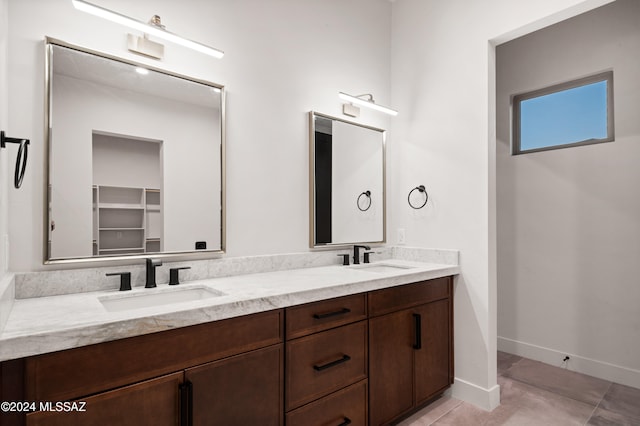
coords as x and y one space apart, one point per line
46 324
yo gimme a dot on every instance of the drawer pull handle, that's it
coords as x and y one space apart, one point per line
347 421
418 322
332 314
344 358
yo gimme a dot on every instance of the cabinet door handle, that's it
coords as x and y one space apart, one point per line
332 314
344 358
418 327
347 421
186 403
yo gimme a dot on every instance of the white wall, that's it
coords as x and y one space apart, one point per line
283 59
122 161
443 85
568 220
4 153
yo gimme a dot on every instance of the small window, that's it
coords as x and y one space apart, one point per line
578 112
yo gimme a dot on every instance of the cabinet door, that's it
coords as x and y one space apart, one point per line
153 402
391 350
241 390
432 359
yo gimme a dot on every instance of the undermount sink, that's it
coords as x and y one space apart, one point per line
381 267
157 297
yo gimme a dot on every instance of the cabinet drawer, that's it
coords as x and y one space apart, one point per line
313 317
405 296
344 407
87 370
325 362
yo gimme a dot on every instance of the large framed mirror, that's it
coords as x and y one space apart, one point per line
135 159
347 182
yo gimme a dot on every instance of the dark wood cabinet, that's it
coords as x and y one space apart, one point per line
59 376
152 402
326 362
245 389
410 348
364 359
242 390
433 361
347 406
228 369
391 366
309 318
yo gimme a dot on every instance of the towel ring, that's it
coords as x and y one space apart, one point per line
21 159
419 188
366 194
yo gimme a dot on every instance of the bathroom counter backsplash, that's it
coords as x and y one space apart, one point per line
53 283
48 323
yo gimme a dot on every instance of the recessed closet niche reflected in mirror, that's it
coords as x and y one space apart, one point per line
347 202
136 161
127 213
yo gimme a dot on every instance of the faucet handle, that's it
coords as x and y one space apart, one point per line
174 278
125 280
345 258
367 255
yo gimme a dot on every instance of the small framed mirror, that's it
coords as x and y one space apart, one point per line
135 159
347 182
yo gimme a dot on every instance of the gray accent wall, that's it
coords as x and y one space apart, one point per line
568 220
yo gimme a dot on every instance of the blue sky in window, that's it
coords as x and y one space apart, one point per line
568 116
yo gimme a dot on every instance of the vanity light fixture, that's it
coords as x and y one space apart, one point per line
142 44
353 111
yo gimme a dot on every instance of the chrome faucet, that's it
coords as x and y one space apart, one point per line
152 264
356 253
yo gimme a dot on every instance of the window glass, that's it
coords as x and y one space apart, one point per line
574 113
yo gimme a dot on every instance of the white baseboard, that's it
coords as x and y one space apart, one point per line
591 367
487 399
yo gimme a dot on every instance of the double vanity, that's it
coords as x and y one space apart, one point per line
295 339
360 344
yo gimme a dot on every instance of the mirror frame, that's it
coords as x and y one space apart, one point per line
312 182
49 42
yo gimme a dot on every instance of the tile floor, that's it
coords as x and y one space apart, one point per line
537 394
